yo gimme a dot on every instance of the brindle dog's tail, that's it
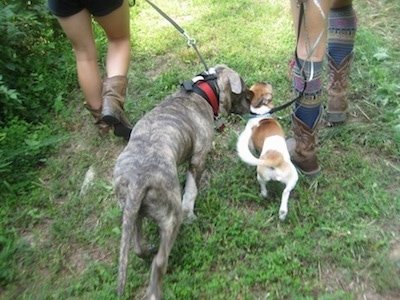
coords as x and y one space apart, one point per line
131 199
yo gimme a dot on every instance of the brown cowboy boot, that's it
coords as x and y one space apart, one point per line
103 127
114 95
338 81
303 146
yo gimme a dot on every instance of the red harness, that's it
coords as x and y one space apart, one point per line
206 87
211 97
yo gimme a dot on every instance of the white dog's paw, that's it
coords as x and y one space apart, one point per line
282 214
189 218
264 194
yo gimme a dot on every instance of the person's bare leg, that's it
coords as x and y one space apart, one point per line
117 28
314 23
78 29
307 81
341 3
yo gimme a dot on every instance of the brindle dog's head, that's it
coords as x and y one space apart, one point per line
232 92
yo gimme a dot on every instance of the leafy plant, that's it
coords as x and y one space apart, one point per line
32 48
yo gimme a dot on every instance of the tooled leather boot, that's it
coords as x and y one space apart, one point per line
303 147
114 95
103 127
338 81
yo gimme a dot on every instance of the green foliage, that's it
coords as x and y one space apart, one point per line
7 252
33 49
23 148
378 64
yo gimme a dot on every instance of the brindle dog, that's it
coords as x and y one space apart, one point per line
179 129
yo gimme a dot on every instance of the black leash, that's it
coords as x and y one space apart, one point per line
283 106
191 41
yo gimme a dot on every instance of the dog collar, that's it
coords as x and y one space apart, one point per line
262 116
205 85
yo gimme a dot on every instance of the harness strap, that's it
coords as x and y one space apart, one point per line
209 93
205 86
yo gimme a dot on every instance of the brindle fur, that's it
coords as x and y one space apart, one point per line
179 129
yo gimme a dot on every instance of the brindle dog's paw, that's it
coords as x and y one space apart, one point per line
188 219
147 251
152 249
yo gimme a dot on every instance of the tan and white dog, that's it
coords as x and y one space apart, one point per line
264 135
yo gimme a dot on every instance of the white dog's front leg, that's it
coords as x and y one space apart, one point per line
283 209
189 198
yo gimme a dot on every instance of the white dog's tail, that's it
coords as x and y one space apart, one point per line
243 149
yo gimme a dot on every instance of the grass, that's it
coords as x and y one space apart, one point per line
341 239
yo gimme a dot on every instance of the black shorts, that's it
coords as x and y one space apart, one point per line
98 8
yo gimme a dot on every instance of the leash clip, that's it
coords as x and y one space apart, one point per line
190 41
211 71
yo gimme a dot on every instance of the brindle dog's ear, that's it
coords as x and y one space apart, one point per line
236 82
249 95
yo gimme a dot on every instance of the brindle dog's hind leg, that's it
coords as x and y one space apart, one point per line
169 228
193 177
140 246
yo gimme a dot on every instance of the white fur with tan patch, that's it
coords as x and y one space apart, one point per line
274 161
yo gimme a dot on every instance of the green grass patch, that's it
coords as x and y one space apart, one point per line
340 240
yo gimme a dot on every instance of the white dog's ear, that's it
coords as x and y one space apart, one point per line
236 82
